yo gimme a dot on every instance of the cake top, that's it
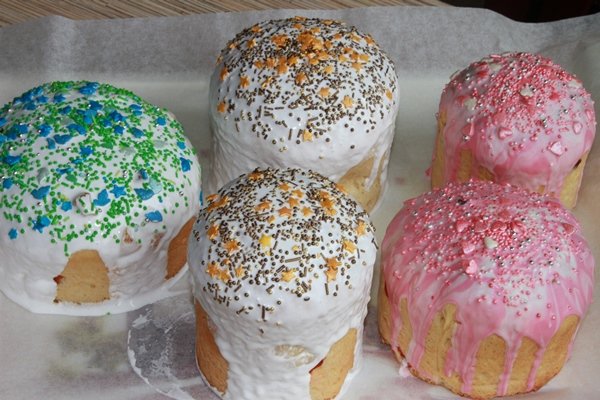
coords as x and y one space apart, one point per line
272 234
83 161
294 79
494 245
521 102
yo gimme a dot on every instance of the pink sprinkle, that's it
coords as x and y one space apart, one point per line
589 114
503 133
471 267
568 228
557 148
468 130
577 127
461 225
468 247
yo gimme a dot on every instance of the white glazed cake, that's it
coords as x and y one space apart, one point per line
281 262
99 190
304 93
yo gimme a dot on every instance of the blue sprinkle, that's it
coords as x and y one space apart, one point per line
41 192
2 121
12 160
154 216
66 206
86 150
7 183
12 133
161 121
3 139
200 199
65 110
76 127
143 174
42 99
77 161
181 145
144 194
22 128
135 106
95 105
58 98
118 191
102 199
62 139
119 130
44 130
36 91
115 116
51 143
41 223
106 123
185 164
65 170
13 234
137 133
89 88
30 106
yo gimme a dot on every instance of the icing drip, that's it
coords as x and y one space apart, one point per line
513 263
281 261
522 117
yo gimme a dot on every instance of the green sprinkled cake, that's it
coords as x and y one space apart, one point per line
98 192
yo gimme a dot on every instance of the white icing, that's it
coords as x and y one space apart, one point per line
265 132
136 270
307 325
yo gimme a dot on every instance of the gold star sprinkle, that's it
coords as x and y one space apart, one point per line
213 231
285 212
332 263
251 43
223 73
307 136
255 175
348 101
328 69
357 66
293 60
256 28
349 246
388 94
324 92
279 40
300 78
361 228
298 193
265 241
212 197
284 187
331 274
212 270
288 275
231 246
293 202
307 212
264 206
244 81
224 276
240 271
363 57
222 107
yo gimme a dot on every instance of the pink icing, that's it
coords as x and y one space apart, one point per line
522 117
514 263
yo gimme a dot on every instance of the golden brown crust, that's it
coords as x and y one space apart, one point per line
84 279
177 253
210 360
327 378
355 178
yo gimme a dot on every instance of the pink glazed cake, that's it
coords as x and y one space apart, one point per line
515 118
484 287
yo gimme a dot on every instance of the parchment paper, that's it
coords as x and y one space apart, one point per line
168 61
